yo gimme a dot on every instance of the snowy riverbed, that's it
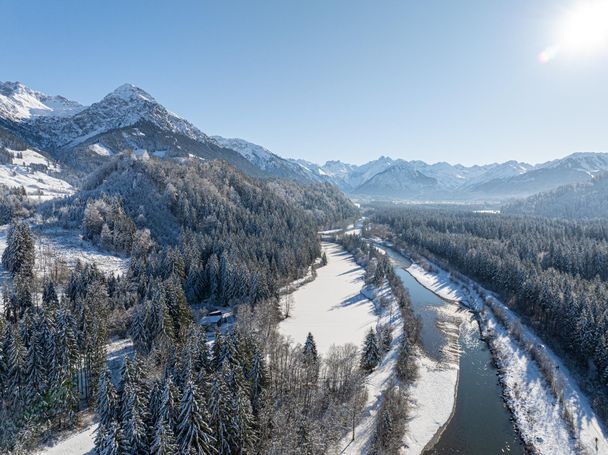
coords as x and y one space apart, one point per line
432 395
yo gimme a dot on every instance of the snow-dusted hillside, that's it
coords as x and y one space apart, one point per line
267 161
123 107
34 172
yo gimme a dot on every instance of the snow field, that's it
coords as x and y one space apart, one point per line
336 309
81 443
331 307
37 184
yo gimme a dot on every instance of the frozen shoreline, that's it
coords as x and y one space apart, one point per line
537 412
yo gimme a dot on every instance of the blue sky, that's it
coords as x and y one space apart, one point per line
455 81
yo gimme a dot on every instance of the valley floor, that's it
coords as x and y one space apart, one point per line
332 306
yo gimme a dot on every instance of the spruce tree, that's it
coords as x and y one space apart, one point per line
106 399
370 355
194 434
49 294
310 349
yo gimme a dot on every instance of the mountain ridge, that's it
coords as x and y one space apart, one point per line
130 119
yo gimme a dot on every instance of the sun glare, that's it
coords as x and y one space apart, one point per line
585 27
582 29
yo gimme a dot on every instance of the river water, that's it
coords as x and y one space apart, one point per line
481 423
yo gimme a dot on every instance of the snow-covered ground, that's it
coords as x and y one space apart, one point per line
331 307
432 396
337 309
66 247
70 247
538 414
29 156
80 443
381 378
38 185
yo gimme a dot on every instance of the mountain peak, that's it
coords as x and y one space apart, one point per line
129 92
9 88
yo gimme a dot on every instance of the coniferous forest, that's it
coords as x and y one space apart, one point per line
552 272
198 236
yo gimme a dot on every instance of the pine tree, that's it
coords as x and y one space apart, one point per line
221 413
35 371
163 439
370 356
15 361
242 424
194 434
258 381
109 440
132 415
18 257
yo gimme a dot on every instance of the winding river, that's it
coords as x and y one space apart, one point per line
480 423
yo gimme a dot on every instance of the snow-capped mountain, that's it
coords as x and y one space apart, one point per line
338 169
18 102
575 168
125 106
130 119
268 161
398 179
401 179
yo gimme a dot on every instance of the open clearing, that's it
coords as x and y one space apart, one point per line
331 307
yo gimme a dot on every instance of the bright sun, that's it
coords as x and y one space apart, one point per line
582 29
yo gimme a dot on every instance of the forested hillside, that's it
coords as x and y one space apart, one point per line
209 218
198 232
553 272
586 200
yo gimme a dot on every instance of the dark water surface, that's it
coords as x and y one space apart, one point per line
481 422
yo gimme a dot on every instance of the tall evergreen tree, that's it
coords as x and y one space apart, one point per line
370 355
194 434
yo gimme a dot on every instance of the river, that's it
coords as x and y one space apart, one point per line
481 424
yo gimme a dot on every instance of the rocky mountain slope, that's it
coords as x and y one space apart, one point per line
131 120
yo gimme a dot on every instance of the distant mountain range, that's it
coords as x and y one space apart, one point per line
129 119
416 180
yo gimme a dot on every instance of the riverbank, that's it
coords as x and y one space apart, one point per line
383 375
546 421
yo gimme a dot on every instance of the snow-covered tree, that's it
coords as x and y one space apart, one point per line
194 433
370 354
